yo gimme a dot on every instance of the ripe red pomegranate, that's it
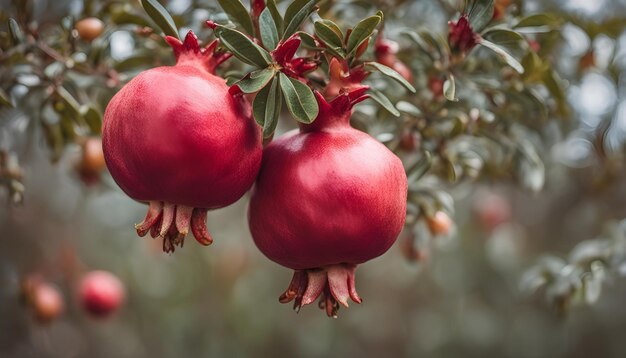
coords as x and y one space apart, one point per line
101 293
175 138
328 197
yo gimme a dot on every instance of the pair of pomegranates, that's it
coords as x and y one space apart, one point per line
327 197
100 294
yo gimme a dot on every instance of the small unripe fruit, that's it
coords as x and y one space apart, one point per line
492 210
439 224
89 28
101 293
46 301
91 163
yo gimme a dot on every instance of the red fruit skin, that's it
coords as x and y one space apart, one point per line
327 194
101 293
175 134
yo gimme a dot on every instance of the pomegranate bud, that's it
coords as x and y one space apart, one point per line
439 224
461 37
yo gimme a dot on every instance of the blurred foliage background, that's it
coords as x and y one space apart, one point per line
526 283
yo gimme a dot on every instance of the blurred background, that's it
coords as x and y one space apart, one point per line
519 274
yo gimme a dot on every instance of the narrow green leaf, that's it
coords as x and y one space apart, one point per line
539 21
300 99
5 100
278 20
503 36
256 80
481 14
381 99
243 47
391 73
69 100
449 88
503 55
295 15
237 13
93 118
269 32
161 17
421 167
361 32
266 107
16 33
330 35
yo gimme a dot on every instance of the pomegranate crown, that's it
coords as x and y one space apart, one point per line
189 51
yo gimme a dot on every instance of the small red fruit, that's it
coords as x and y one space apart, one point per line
175 137
492 210
439 224
328 197
89 28
91 163
46 301
101 293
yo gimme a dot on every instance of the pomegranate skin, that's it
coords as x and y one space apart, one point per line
176 138
327 194
175 134
101 293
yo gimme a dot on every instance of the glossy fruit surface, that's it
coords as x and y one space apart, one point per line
328 197
174 137
101 293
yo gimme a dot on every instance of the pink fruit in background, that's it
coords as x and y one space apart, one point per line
439 224
491 210
328 197
47 302
101 293
175 138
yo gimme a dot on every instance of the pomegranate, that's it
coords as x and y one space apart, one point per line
175 138
491 210
328 197
439 224
91 163
101 293
89 28
44 299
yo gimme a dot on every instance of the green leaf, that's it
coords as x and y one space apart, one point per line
295 15
503 55
503 36
256 80
266 107
481 14
93 118
16 33
331 35
300 99
381 99
4 99
391 73
278 20
539 21
361 32
161 17
269 32
237 13
243 47
449 88
421 167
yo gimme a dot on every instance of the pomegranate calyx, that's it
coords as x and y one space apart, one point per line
189 52
172 223
336 112
334 284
